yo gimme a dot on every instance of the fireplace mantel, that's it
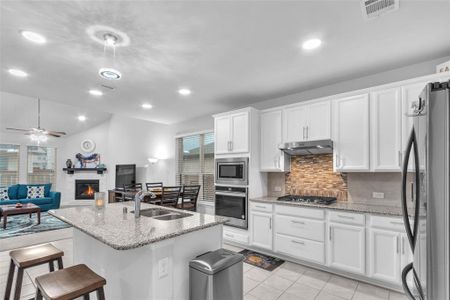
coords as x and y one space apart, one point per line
73 170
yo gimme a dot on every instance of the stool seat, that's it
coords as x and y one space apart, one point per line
69 283
32 256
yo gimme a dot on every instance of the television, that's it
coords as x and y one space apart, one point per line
125 174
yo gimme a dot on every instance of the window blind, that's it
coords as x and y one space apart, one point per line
41 165
9 164
195 163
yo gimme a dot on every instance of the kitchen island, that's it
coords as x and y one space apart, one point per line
145 257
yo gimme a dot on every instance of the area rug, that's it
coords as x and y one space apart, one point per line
266 262
22 225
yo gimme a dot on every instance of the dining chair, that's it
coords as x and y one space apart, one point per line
155 188
189 197
170 195
131 190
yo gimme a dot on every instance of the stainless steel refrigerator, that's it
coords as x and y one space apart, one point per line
426 195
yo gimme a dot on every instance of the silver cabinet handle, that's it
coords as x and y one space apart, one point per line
329 233
304 132
396 223
298 222
403 245
398 246
336 158
228 146
229 235
307 132
400 159
297 242
270 223
411 184
259 206
231 145
346 217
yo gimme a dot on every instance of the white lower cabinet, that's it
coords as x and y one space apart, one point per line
384 255
300 248
346 247
261 229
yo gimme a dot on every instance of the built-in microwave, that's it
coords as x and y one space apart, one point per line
232 171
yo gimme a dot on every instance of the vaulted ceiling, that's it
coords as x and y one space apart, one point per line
229 53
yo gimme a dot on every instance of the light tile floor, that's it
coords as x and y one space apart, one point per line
289 281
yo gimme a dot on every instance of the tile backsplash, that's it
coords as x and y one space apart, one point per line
313 175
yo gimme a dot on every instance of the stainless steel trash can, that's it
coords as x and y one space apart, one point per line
216 275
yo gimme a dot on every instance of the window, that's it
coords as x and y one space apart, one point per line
41 165
195 163
9 164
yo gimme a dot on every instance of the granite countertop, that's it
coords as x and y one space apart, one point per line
386 210
123 231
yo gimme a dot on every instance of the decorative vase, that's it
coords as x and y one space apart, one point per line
69 163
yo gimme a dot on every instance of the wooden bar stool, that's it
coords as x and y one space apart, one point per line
70 283
27 258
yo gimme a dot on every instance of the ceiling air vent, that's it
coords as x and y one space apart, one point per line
375 8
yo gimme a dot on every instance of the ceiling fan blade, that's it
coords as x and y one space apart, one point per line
52 134
19 129
56 132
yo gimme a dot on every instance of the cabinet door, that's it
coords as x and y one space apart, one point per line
319 121
222 134
346 248
239 133
295 123
261 229
271 138
384 255
351 133
386 133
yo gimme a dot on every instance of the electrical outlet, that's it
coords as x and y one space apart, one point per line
163 267
377 195
277 189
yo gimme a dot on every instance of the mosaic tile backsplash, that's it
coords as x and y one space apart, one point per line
313 175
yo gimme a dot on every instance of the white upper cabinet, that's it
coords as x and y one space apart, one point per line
232 133
272 159
319 121
386 130
308 122
351 133
296 122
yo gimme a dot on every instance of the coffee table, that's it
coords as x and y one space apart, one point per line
27 208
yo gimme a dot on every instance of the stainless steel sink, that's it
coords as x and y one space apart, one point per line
163 214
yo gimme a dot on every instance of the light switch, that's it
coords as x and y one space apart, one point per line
277 189
163 267
378 195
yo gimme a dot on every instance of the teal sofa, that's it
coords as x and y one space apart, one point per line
18 193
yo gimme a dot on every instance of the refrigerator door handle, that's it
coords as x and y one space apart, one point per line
408 268
411 233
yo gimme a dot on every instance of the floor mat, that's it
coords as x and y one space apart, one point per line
266 262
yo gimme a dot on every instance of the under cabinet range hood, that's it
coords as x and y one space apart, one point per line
308 147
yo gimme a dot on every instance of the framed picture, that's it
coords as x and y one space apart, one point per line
444 67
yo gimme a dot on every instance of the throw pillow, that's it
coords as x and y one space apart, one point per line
4 193
34 192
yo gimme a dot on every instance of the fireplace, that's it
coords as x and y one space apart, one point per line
85 189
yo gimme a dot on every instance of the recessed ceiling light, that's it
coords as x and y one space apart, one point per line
147 106
81 118
184 92
34 37
311 44
109 73
96 92
17 72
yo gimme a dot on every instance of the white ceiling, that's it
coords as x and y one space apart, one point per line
230 53
21 112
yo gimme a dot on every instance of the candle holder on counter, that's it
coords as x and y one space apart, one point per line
99 200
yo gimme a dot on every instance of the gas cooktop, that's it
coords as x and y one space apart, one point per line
308 199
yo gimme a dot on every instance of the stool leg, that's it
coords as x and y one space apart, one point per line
86 297
18 283
38 294
100 294
60 263
10 280
51 266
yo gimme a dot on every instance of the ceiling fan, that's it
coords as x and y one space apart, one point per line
39 134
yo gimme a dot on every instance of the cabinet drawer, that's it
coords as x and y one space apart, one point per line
300 212
302 228
265 207
299 248
235 237
346 218
387 223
